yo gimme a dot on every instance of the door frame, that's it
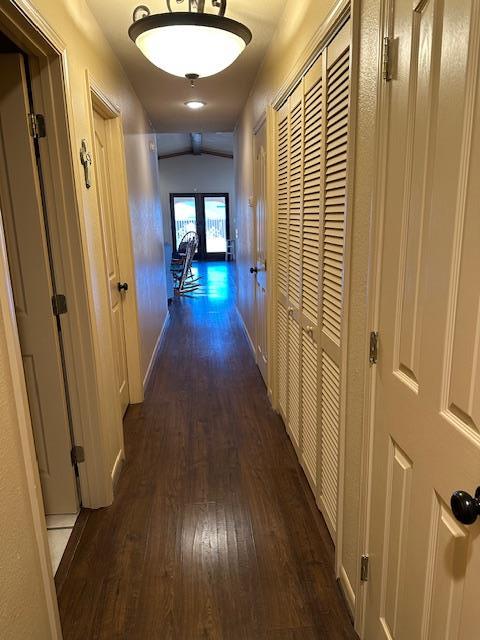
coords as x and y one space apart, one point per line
379 90
263 121
100 102
200 218
21 22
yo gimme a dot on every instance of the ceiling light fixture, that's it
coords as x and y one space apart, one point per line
195 104
191 44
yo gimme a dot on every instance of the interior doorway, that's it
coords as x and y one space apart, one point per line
118 289
208 215
37 301
259 269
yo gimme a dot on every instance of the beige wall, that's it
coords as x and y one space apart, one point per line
23 610
190 174
22 596
295 31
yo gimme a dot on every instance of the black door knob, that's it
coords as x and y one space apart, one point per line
123 286
465 507
253 270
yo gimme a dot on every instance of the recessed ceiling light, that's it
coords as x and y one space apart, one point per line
195 104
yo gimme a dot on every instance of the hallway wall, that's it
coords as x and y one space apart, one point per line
189 174
23 595
23 598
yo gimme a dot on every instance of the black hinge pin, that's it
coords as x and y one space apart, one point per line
37 125
373 352
59 304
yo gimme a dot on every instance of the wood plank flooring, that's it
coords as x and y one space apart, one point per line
214 533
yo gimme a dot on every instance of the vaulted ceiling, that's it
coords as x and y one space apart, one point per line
164 95
171 144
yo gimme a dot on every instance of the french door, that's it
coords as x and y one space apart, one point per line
208 215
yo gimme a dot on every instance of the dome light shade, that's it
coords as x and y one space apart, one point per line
189 44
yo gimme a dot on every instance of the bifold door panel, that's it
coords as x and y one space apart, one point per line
312 131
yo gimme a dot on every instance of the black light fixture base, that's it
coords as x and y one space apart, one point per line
192 77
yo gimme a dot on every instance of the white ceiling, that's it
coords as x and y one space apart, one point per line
170 143
163 95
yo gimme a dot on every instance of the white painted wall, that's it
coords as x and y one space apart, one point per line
191 174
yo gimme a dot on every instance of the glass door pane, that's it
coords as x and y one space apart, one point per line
185 216
215 208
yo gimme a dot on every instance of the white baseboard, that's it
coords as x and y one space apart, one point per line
156 349
117 468
347 590
245 331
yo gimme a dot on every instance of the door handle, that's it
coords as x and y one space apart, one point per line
253 270
465 507
122 286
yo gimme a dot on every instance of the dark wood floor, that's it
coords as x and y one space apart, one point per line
214 532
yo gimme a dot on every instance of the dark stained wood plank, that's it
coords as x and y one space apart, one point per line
214 532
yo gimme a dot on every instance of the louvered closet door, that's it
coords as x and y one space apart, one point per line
282 257
336 115
312 190
295 201
312 129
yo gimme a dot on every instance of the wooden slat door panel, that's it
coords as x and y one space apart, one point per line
311 253
281 223
336 115
312 132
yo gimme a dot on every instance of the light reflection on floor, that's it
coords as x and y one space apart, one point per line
216 280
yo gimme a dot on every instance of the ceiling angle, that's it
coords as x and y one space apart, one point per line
190 44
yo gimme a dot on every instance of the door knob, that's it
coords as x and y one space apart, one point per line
465 507
253 270
122 286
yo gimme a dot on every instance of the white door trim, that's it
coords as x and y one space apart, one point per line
380 25
99 99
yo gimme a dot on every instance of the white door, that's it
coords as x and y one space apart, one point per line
103 165
424 580
260 252
26 240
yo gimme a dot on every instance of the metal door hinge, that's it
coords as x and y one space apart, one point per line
373 353
37 125
77 454
364 568
59 304
387 58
